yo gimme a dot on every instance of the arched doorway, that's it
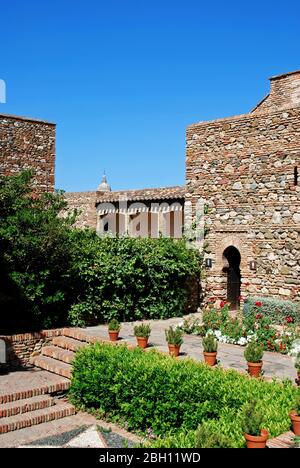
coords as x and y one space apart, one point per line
232 258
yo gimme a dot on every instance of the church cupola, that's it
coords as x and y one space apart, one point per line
104 187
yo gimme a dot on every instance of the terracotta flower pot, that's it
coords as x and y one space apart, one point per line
174 349
210 358
113 335
142 341
257 441
254 368
295 419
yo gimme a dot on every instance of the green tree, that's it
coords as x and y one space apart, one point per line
35 254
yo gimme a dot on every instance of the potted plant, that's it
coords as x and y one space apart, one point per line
295 415
253 355
114 329
142 333
255 436
297 367
210 347
174 340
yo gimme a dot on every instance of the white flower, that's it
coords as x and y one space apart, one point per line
218 334
295 348
242 341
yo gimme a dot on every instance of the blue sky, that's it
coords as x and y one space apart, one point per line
123 79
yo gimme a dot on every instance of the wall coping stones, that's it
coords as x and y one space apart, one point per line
32 335
27 119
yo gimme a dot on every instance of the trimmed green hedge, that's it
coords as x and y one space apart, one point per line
276 309
151 391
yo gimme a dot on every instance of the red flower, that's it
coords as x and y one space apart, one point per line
289 319
258 316
258 304
223 304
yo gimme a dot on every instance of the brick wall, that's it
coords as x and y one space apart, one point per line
244 169
20 347
28 144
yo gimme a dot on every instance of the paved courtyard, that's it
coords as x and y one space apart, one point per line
57 432
230 356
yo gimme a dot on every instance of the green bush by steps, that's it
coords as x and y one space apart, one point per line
280 312
152 391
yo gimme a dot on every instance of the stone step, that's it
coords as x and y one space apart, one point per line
25 406
20 421
82 335
52 365
68 343
76 334
60 386
59 354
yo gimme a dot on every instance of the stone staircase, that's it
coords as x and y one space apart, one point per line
58 357
33 406
38 405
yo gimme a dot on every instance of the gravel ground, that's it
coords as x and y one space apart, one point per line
115 440
59 439
112 439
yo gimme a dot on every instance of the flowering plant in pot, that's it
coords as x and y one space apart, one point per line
174 340
255 435
142 333
114 329
295 415
210 348
253 355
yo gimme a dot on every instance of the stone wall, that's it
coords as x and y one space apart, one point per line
84 202
28 144
284 93
20 347
243 167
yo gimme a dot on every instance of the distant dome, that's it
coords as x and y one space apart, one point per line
104 187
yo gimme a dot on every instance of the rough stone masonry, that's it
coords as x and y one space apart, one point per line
246 169
28 144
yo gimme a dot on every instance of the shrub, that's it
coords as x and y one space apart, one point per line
297 403
233 328
279 312
174 336
152 390
252 419
210 344
114 325
204 438
129 278
142 330
253 352
35 256
297 362
214 318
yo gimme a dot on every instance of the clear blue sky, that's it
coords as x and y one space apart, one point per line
123 78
